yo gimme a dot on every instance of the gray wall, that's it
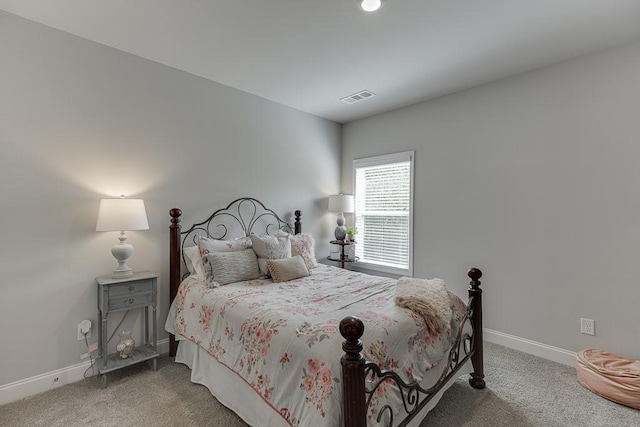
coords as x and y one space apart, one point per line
80 121
535 180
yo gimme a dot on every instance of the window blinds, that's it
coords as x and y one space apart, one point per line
383 206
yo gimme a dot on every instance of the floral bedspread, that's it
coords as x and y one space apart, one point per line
283 340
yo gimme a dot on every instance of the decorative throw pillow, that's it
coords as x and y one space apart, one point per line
270 247
304 245
193 260
223 268
208 245
283 270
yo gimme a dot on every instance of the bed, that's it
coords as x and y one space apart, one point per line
282 352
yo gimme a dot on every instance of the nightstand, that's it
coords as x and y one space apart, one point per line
136 292
343 257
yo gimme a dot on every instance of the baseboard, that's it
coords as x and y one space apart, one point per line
545 351
49 380
28 387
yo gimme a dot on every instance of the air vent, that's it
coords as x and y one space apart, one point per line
357 97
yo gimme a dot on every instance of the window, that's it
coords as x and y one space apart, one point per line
384 212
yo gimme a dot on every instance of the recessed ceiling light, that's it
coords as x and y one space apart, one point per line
370 5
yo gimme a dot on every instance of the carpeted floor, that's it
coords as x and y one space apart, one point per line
522 390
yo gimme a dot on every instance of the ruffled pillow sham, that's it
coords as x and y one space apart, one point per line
194 261
208 245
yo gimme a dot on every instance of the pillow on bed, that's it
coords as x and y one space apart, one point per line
223 268
270 247
193 260
208 245
283 270
303 245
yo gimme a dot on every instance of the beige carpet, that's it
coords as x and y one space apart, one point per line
522 390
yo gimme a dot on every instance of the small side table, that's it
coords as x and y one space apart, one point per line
343 258
138 291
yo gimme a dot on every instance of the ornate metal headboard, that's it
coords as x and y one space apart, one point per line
242 217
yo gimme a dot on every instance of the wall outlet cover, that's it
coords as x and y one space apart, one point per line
587 326
84 329
85 326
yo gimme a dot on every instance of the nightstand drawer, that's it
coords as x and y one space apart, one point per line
129 289
133 300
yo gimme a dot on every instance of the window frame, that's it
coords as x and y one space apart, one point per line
386 159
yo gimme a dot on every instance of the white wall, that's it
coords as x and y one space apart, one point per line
535 180
80 121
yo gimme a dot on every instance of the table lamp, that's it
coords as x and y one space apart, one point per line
341 204
122 215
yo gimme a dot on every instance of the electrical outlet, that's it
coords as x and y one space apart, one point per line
587 326
84 329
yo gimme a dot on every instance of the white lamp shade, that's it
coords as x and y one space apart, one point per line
122 215
341 203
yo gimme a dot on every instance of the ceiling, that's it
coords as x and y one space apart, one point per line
308 54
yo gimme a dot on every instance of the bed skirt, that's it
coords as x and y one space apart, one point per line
234 393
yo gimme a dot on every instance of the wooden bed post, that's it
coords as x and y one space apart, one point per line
174 266
354 408
297 226
477 376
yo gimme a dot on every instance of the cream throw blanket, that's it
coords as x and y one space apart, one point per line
429 299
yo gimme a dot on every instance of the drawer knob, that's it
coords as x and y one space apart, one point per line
131 287
130 301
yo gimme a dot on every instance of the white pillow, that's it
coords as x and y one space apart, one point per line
208 245
222 268
193 260
270 247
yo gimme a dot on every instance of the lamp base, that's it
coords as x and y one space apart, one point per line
340 231
122 274
122 252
